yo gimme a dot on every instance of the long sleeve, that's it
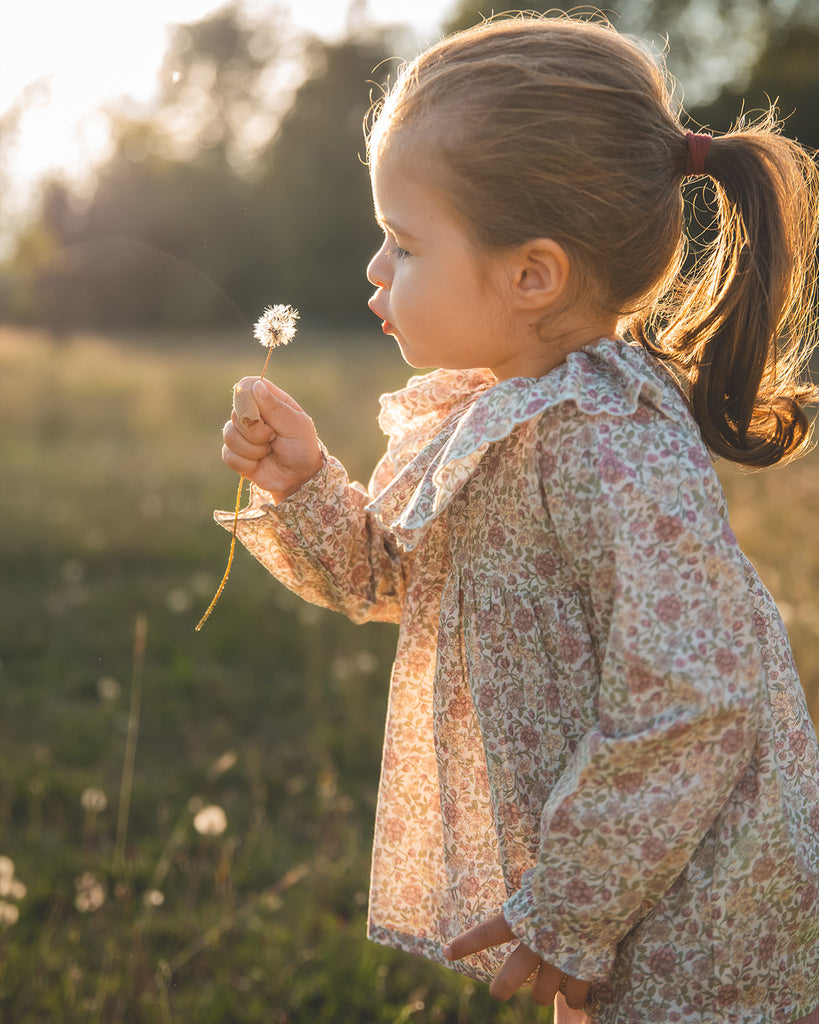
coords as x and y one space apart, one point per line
680 678
323 545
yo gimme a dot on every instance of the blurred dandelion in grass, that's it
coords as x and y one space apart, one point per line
222 764
73 571
153 898
90 893
210 821
179 600
108 688
11 888
9 913
201 583
94 800
6 868
326 785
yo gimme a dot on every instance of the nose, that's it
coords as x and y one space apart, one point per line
378 268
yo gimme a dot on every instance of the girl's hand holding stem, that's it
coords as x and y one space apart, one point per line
519 967
278 451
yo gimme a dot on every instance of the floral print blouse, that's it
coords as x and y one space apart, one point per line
594 719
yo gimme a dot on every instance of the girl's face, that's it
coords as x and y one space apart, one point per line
443 304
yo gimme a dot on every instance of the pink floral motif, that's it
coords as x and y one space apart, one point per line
653 849
461 706
663 961
731 741
530 737
725 660
669 609
545 564
668 528
580 892
629 782
620 724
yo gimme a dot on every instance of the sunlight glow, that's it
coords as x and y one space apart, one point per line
62 66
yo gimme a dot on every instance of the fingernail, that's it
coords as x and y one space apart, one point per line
259 390
448 952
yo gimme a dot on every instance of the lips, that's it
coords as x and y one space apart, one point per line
386 326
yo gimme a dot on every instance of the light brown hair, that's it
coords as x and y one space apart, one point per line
562 128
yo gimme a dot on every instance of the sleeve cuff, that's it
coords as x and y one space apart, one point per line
554 944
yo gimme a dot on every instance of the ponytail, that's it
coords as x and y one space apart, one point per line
741 326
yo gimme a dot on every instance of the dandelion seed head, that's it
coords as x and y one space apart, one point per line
276 326
108 688
154 898
9 913
6 867
12 888
94 800
210 821
222 764
90 893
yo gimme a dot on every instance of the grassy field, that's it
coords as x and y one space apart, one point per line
124 894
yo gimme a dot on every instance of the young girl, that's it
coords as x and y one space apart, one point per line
599 773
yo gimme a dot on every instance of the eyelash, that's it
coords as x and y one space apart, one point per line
398 253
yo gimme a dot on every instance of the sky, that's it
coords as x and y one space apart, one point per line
62 62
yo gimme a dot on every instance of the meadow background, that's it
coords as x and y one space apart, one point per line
185 818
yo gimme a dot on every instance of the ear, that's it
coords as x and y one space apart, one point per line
541 270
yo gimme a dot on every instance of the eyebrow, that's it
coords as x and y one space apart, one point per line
394 229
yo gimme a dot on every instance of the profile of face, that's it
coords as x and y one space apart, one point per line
436 295
449 304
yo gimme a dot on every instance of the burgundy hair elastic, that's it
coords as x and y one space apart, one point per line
697 151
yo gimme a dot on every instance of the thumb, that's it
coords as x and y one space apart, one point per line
280 411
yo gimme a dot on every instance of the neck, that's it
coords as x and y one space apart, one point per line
549 345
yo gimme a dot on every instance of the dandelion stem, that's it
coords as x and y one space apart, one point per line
266 362
129 757
276 326
221 586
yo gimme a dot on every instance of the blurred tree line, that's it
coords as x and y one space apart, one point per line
221 202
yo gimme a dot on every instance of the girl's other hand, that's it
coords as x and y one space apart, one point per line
279 452
519 967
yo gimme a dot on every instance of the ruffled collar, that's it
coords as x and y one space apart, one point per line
442 423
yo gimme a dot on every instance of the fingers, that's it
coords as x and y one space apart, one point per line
518 967
576 992
492 932
547 981
239 442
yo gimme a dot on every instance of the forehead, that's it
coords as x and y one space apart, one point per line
401 194
406 172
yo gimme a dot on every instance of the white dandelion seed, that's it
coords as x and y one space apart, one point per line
6 867
90 893
108 688
210 821
9 914
12 888
153 898
94 800
276 326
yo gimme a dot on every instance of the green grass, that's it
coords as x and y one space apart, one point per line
109 470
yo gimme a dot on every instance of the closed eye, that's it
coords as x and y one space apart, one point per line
398 253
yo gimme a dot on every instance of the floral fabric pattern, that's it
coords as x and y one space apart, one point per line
594 719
